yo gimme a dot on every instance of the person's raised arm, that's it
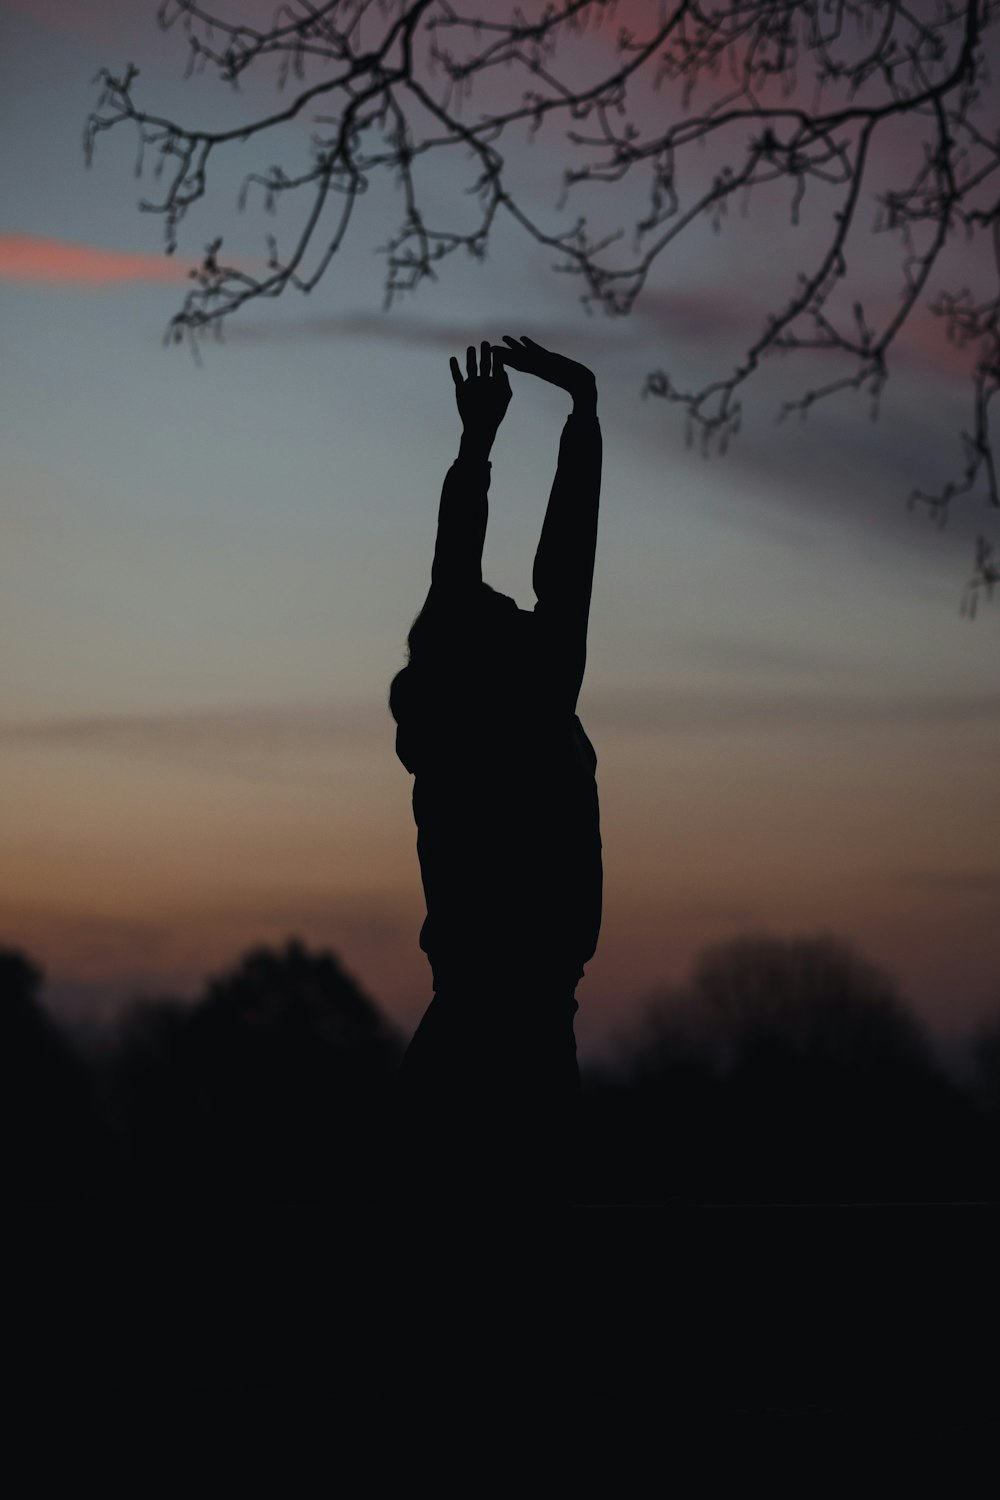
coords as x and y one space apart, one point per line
563 574
482 400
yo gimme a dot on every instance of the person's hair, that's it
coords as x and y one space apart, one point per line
433 643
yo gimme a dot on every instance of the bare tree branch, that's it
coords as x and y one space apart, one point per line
392 79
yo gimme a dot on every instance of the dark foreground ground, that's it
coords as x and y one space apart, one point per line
635 1350
786 1073
785 1249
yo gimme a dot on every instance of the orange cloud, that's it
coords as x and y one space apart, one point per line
30 257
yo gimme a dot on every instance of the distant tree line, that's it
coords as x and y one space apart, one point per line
782 1072
791 1072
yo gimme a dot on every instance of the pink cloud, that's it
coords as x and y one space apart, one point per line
120 21
30 257
923 340
126 22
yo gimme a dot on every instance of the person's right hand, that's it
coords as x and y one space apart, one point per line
530 357
482 398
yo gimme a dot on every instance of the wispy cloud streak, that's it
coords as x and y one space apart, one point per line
397 329
33 258
289 730
706 710
277 726
952 883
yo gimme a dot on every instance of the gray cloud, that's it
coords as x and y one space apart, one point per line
736 654
274 729
705 710
234 736
261 744
98 937
402 331
955 883
841 470
697 314
839 465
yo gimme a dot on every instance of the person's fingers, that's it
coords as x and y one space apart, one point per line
508 356
456 373
528 350
484 357
470 360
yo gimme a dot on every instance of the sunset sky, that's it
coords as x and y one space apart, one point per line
208 574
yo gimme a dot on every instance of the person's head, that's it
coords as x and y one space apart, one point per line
488 619
471 647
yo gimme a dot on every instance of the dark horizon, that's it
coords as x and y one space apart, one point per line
83 1010
782 1072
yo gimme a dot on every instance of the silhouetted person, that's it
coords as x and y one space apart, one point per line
505 801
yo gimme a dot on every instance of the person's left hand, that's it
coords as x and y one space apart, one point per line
483 397
534 359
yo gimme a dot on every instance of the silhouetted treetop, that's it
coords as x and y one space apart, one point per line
807 996
20 981
292 990
52 1136
275 1083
